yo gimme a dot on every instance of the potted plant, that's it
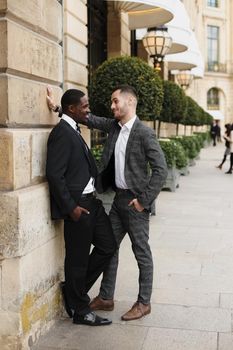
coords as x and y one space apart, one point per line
176 160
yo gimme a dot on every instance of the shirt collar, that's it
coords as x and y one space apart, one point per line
69 120
129 124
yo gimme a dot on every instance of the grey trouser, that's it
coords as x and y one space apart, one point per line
125 219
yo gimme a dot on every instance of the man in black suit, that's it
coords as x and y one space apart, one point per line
71 173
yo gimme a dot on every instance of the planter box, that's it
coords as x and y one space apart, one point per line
192 162
172 181
184 171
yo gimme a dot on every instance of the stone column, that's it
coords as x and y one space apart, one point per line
31 246
75 50
118 32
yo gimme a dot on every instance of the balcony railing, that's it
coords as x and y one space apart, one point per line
212 106
216 67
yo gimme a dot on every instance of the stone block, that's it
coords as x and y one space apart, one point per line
75 72
75 51
3 5
23 102
32 54
6 160
3 97
9 342
35 316
75 28
3 43
69 85
23 281
9 324
41 15
25 220
22 157
78 8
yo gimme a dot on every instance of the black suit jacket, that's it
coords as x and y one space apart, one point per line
67 169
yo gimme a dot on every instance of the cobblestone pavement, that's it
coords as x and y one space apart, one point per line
192 304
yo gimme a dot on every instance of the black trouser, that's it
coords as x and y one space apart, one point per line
82 268
231 162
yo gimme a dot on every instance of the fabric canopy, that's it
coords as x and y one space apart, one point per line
216 114
178 29
146 13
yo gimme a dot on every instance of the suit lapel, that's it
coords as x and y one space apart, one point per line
83 144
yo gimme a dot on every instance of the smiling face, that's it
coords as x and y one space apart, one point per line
123 105
80 110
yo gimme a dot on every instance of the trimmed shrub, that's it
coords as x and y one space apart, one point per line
174 153
97 152
132 71
174 103
189 145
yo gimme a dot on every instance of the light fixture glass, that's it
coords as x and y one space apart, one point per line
157 43
184 78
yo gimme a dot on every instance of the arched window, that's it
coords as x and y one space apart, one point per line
213 98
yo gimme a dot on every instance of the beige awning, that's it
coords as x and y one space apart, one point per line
146 13
185 60
178 29
216 114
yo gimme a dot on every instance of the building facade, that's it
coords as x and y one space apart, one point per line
60 43
212 23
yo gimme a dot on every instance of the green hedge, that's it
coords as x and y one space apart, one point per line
132 71
174 103
189 145
174 153
97 152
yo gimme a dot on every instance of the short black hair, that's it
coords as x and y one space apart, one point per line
126 88
71 97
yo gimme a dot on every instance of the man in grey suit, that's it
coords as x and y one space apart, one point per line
133 164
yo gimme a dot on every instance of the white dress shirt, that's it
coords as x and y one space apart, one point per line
120 149
90 186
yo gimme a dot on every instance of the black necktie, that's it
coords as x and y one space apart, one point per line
78 128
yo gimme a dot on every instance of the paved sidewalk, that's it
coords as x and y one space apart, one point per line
192 305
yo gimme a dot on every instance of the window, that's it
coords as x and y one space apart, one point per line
213 98
213 3
213 48
97 48
97 34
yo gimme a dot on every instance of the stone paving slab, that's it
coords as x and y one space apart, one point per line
173 339
188 297
118 336
225 341
179 317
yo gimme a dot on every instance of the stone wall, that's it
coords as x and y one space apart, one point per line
31 245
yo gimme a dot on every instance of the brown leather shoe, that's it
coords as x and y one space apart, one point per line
102 304
137 311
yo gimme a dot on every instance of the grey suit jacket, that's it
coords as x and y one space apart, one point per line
145 165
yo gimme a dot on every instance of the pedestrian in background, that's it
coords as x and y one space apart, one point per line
227 145
230 139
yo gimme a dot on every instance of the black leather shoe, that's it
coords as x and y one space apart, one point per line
68 309
229 172
91 319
